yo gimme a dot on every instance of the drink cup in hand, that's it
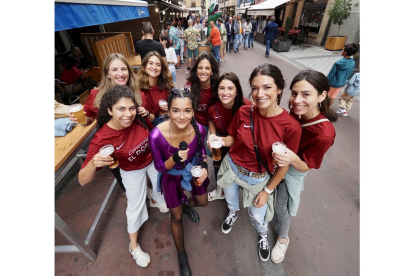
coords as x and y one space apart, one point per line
278 147
216 145
77 111
162 104
108 150
196 171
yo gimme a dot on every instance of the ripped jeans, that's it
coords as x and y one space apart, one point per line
232 197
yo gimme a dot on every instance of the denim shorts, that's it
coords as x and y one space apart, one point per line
177 52
192 53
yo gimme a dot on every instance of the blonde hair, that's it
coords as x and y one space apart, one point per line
164 79
106 82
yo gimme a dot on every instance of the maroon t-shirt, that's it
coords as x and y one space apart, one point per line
315 141
267 130
91 111
131 146
153 96
217 113
201 112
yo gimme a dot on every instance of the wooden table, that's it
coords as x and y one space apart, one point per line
66 149
134 61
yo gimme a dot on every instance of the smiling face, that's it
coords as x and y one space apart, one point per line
227 93
304 99
118 73
204 71
123 114
264 92
181 112
153 68
212 24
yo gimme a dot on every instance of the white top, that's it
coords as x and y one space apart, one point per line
170 55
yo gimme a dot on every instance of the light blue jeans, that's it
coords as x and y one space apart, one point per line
268 45
174 75
231 194
215 50
247 40
237 40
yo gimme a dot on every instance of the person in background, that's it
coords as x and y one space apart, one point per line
253 32
171 57
71 73
249 163
230 34
309 105
180 29
119 125
346 98
174 165
237 32
223 36
77 54
199 27
204 24
144 46
155 81
247 29
341 70
192 35
93 72
270 33
215 40
227 99
175 42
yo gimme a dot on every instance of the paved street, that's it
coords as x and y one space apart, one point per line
324 237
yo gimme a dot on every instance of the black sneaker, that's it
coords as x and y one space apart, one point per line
178 68
228 223
188 68
185 269
264 251
191 213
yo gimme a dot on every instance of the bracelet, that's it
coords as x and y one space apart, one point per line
204 165
148 113
176 157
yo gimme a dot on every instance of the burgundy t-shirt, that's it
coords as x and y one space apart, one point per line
201 112
153 96
221 114
131 146
91 111
315 141
70 76
267 130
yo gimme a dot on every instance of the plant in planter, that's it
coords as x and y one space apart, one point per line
339 11
283 42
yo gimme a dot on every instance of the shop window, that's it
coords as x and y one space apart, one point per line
312 15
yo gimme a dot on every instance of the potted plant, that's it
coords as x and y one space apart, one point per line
283 42
339 11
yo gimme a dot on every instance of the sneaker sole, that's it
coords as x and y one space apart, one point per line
277 262
261 258
225 231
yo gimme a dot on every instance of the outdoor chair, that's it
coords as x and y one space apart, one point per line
73 90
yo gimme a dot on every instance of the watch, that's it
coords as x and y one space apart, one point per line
269 191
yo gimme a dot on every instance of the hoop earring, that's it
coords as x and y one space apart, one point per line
319 105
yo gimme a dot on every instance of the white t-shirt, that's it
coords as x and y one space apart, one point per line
170 55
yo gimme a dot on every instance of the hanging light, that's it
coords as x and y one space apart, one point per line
156 9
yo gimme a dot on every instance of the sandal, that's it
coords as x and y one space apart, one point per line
213 196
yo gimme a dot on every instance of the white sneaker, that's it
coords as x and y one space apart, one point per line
149 193
279 251
141 258
213 195
162 206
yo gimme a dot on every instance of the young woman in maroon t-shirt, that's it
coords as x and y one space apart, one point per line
241 167
309 104
155 81
227 99
120 126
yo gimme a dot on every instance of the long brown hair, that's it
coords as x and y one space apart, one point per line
272 71
164 79
320 83
106 82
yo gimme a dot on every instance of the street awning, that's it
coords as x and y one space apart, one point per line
266 8
165 3
70 14
243 7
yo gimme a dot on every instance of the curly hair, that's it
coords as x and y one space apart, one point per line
106 83
110 98
164 79
195 82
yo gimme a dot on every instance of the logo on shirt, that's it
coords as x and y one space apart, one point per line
118 148
142 147
246 126
202 107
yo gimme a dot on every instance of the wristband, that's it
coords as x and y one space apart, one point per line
269 191
148 113
176 157
204 165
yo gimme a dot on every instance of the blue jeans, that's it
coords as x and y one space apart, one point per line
237 40
251 38
229 44
247 40
268 45
215 50
174 75
231 194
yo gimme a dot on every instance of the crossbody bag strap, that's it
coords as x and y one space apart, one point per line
314 123
256 148
218 116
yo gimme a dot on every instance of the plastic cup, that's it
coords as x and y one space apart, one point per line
216 146
196 172
162 103
278 147
109 150
77 111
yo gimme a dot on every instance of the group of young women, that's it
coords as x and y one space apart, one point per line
126 108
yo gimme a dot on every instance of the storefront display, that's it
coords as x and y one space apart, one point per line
312 15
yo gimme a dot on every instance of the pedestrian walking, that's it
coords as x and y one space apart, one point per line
215 40
192 35
270 33
253 32
341 71
223 37
310 106
249 163
171 57
226 101
238 34
230 34
247 29
175 42
180 28
175 164
346 98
